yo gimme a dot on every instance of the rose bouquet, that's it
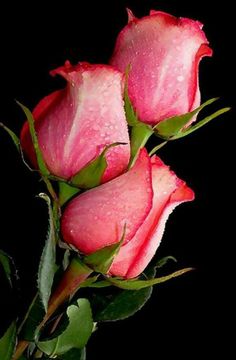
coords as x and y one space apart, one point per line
108 199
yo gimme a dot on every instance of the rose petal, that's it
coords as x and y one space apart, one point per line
163 52
76 125
97 218
169 191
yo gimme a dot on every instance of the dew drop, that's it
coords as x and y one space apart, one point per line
180 78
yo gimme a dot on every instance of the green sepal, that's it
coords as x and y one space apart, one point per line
199 124
139 136
13 136
76 334
91 175
47 266
99 284
41 164
8 342
163 261
101 260
131 115
158 147
170 127
88 282
136 284
140 132
66 192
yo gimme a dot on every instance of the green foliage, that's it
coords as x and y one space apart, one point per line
34 316
74 354
75 335
36 312
121 305
47 264
8 342
8 267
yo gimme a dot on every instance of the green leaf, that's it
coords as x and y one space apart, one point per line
34 316
8 265
77 332
101 260
8 343
139 136
41 164
135 284
91 175
63 323
74 354
201 123
124 304
172 126
13 136
66 192
47 264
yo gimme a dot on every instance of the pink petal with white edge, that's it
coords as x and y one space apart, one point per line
163 52
97 218
169 191
87 116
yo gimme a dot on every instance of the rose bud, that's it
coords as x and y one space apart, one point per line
139 201
75 124
163 55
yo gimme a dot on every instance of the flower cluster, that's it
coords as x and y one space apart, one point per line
109 198
76 124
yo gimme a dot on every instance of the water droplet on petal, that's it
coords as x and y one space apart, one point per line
180 78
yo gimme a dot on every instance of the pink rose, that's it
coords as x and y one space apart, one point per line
164 54
75 124
142 198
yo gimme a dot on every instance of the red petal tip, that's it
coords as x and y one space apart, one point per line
131 16
153 12
199 24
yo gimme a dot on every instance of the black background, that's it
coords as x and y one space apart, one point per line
188 317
